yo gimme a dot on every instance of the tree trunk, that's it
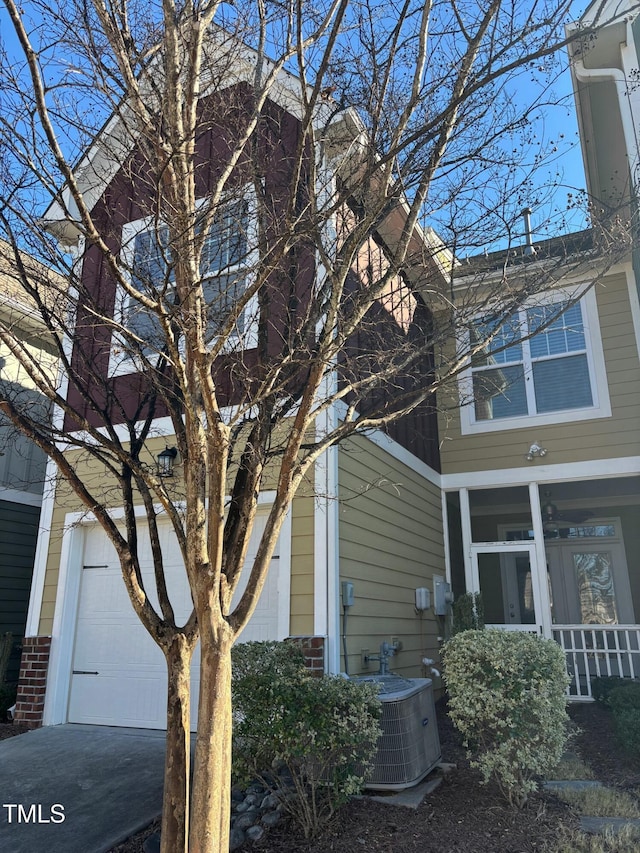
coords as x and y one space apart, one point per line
175 802
211 809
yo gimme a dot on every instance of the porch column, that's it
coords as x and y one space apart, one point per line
465 523
541 560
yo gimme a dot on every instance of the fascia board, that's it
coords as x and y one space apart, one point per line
588 267
603 13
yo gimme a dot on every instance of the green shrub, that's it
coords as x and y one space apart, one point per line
507 698
310 740
625 696
624 702
6 646
602 686
264 661
7 699
468 613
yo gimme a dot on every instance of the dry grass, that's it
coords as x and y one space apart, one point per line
602 802
627 840
571 767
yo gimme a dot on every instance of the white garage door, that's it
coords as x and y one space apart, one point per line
119 674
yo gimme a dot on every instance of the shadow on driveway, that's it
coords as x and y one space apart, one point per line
78 788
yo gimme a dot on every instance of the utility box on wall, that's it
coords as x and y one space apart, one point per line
442 596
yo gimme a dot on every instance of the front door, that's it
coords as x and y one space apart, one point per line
589 578
505 575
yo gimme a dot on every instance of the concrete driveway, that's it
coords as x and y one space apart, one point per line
77 788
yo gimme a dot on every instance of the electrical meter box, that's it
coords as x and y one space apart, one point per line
442 596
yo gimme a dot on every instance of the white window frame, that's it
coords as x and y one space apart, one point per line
601 405
124 363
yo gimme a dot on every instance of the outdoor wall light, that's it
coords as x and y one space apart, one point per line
165 461
536 449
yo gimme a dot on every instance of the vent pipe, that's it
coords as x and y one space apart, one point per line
529 248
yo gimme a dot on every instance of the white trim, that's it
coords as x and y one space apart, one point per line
561 472
634 302
39 577
395 449
283 618
161 428
594 353
467 538
326 521
64 623
321 548
68 594
17 496
445 536
541 558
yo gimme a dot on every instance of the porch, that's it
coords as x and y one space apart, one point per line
559 558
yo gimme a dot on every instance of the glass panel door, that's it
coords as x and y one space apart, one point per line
590 584
505 575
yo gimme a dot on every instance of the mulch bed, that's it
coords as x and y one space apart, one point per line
460 815
597 744
12 729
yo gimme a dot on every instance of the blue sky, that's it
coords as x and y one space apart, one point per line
553 138
557 132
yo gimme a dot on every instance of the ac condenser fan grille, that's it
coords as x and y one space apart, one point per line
409 746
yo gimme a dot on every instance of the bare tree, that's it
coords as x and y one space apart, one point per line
239 200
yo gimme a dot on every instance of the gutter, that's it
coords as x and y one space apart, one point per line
632 145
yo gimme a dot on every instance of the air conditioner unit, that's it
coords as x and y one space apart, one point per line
409 746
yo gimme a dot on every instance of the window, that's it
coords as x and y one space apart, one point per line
539 364
224 267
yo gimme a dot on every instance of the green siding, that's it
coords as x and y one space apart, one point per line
18 534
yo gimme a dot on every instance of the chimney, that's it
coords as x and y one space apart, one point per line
529 248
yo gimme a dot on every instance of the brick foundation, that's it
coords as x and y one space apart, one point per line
33 681
313 650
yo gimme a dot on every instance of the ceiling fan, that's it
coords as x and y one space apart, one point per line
554 518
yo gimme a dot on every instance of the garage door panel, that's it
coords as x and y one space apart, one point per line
139 703
130 688
107 593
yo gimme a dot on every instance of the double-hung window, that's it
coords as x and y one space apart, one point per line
224 269
151 270
542 364
224 266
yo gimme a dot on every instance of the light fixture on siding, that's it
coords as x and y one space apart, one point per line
165 461
536 450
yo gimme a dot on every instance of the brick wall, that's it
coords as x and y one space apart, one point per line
313 650
33 680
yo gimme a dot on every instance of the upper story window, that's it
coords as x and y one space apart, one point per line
544 364
224 268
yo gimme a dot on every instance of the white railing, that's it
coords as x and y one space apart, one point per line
592 651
